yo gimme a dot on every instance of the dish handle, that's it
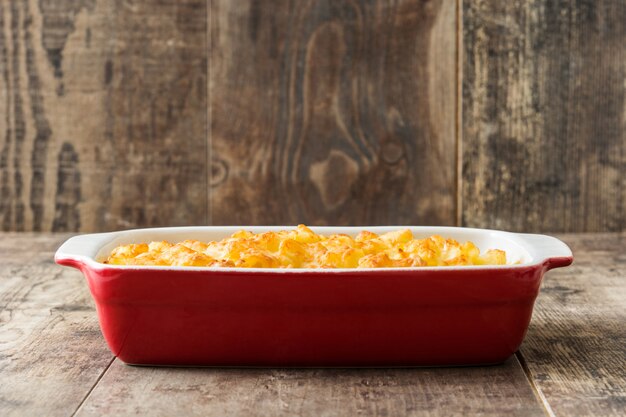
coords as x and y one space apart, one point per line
78 250
554 252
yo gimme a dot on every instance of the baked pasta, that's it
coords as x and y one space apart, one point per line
302 248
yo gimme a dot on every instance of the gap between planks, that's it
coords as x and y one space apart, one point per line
458 112
104 371
542 399
208 218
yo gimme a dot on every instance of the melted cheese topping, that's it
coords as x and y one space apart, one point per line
302 248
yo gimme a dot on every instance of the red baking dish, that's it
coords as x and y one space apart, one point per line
310 317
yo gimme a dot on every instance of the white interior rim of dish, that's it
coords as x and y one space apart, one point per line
522 250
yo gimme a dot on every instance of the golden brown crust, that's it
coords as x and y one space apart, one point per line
302 248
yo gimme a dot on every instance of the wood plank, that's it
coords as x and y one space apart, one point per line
51 350
575 349
544 132
102 114
332 112
489 391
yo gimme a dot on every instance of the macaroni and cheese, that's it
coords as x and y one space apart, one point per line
302 248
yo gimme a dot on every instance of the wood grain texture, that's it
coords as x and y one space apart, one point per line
51 350
332 112
487 391
102 114
575 349
345 109
544 105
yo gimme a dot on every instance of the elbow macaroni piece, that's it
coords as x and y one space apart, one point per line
302 248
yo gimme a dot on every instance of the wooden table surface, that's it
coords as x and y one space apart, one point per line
54 361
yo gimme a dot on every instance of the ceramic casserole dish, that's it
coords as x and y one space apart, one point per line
468 315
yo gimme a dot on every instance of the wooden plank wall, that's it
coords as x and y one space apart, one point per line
544 115
118 114
102 114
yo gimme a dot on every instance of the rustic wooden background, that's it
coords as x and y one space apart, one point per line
132 113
